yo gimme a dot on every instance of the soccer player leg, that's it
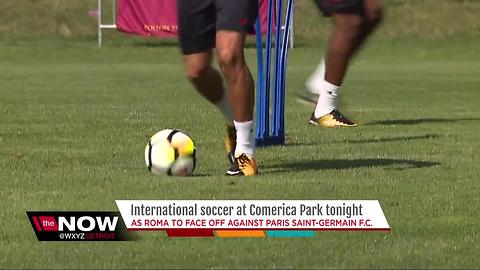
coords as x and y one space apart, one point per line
347 16
372 16
316 79
234 19
197 38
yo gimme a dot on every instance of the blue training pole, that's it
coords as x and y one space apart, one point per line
283 77
276 117
268 66
260 125
263 83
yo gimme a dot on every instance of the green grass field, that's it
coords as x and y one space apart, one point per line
74 121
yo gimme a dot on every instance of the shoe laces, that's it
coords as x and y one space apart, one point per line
336 114
243 160
340 117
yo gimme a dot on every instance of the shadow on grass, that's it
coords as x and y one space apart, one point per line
340 164
295 144
420 121
391 139
375 140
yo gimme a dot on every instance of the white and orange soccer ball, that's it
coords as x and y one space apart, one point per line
170 152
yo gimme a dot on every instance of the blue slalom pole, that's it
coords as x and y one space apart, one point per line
276 117
283 77
264 78
260 125
268 67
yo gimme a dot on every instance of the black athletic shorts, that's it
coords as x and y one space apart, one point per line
199 20
328 7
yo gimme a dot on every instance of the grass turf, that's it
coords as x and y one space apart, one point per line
75 120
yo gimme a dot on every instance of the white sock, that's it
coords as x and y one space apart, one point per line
225 109
314 82
245 138
327 101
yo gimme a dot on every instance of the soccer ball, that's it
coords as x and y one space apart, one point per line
170 152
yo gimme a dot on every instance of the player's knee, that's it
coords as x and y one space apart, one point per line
350 27
228 58
194 71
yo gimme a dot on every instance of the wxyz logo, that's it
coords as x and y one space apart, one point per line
87 236
72 236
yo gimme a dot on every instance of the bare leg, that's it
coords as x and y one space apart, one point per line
206 79
240 83
350 32
372 18
208 82
341 46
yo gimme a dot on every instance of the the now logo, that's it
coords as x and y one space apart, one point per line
69 226
87 223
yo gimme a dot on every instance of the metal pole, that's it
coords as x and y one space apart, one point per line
114 7
99 19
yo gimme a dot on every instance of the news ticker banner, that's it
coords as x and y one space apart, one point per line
251 218
210 218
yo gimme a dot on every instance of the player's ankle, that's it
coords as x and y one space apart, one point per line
245 138
327 101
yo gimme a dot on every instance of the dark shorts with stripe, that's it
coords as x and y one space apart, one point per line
199 21
329 7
